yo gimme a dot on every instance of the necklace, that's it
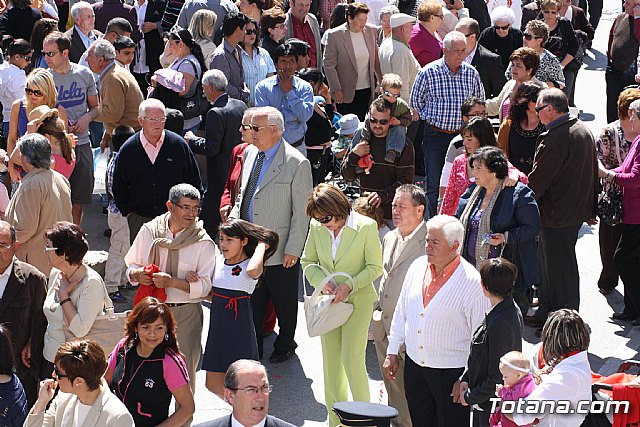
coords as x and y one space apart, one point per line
68 278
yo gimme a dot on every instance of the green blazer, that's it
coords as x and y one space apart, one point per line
359 254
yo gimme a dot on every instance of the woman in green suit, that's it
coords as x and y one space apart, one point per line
340 240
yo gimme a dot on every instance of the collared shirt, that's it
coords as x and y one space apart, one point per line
236 423
432 283
113 64
86 40
402 241
335 240
469 57
4 277
438 93
256 69
552 123
302 30
152 152
269 155
140 65
225 59
199 257
296 106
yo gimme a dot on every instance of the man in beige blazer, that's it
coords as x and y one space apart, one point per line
399 249
276 182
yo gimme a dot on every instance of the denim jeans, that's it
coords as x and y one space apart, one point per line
434 147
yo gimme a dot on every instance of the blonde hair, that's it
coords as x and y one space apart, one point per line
41 80
427 9
516 358
362 206
201 22
391 80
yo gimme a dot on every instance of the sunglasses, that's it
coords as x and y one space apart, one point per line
390 95
34 92
26 57
245 127
49 54
381 121
250 32
552 12
58 373
540 108
501 27
528 36
324 220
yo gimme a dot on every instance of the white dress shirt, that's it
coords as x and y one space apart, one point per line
438 336
199 257
236 423
335 240
402 241
4 277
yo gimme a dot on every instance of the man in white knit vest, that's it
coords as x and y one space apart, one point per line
440 306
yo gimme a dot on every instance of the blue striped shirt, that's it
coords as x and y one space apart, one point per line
438 94
256 69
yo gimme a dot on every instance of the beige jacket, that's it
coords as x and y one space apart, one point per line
120 97
107 411
43 198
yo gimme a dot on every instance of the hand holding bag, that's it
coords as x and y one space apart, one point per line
107 329
322 316
609 207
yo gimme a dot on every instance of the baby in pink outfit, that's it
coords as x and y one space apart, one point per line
518 383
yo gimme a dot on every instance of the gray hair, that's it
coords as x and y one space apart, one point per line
503 13
36 149
150 103
274 117
231 376
78 7
451 227
388 10
178 191
635 106
453 36
12 230
103 49
416 193
216 79
555 98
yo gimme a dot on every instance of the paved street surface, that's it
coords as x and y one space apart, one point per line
298 383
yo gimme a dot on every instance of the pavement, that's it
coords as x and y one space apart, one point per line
298 383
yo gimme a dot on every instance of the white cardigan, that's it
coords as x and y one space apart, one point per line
438 336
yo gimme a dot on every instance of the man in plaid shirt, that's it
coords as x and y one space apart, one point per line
438 92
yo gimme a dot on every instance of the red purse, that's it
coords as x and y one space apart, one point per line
151 290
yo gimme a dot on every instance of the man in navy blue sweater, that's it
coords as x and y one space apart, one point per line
148 165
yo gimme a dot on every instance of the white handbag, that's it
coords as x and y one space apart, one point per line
323 316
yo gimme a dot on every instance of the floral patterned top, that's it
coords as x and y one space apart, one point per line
611 146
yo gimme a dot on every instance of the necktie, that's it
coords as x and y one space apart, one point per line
251 188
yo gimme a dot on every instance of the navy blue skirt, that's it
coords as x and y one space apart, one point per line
232 334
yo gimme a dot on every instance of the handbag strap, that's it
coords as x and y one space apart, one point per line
328 277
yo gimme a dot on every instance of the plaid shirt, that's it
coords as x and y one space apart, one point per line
438 94
111 167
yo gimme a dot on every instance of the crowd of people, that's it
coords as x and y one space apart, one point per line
227 128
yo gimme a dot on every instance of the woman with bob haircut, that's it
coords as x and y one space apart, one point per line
341 240
13 400
149 354
76 292
562 370
84 398
499 333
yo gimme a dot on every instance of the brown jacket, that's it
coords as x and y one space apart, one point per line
565 174
120 97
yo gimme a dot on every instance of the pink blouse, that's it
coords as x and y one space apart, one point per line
62 167
459 182
425 47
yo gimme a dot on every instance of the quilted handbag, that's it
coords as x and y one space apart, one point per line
609 207
323 316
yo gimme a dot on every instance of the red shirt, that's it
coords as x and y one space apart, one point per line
431 283
233 180
302 30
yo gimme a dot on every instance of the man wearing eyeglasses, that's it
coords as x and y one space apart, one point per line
149 164
384 176
247 390
177 243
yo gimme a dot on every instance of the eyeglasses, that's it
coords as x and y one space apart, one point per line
390 95
381 121
540 108
324 220
50 249
469 35
26 57
251 32
34 92
501 27
193 209
253 390
528 36
50 54
552 12
258 128
439 16
483 114
59 374
245 127
5 247
155 119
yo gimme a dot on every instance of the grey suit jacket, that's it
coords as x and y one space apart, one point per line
394 272
340 60
279 202
77 46
226 422
315 28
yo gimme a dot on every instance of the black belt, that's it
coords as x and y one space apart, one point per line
297 143
437 129
174 305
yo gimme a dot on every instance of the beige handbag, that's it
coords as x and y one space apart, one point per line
322 316
107 329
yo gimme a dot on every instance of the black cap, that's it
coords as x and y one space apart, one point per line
364 414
